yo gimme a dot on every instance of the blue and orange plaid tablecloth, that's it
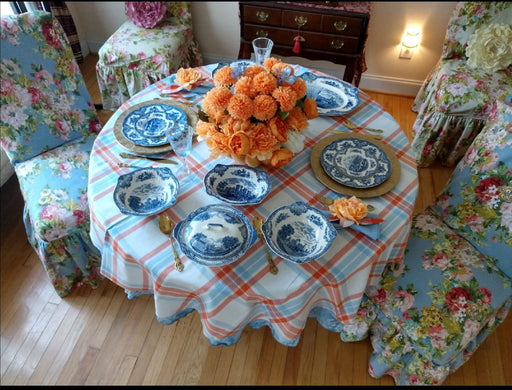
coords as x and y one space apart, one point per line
138 257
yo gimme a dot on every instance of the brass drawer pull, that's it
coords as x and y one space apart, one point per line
262 33
337 44
301 20
262 16
340 25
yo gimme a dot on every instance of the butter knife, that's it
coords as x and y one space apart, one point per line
156 159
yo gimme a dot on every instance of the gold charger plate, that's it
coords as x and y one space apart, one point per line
118 127
323 178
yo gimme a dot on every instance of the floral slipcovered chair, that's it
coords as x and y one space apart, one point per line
48 125
474 69
138 55
454 287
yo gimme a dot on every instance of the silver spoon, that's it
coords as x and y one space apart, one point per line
166 225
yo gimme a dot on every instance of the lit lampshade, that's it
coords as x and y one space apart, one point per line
411 38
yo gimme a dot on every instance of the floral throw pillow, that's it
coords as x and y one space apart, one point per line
145 14
490 47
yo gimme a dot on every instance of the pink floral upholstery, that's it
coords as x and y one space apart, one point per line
454 287
135 57
455 100
48 126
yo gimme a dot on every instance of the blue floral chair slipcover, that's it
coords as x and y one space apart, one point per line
48 125
431 312
455 99
134 57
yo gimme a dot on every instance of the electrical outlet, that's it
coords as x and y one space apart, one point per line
405 53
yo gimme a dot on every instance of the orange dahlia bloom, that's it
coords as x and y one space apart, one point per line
264 83
310 108
300 88
281 157
222 77
239 143
278 127
265 107
205 129
218 144
244 86
231 125
297 119
286 97
187 77
262 139
241 106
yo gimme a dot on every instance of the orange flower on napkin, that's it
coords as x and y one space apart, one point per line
188 77
349 209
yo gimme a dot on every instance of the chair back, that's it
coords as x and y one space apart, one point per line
467 17
44 100
477 201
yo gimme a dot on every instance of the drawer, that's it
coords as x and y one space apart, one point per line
342 25
312 40
306 20
262 15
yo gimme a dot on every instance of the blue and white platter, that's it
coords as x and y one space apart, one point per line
146 125
237 66
214 235
237 184
298 232
146 191
355 163
333 97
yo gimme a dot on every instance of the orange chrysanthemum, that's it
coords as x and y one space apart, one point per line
218 144
231 126
215 100
279 128
222 77
279 68
239 143
262 139
270 62
297 120
244 86
300 88
265 107
241 106
281 157
264 83
286 97
310 108
253 70
205 129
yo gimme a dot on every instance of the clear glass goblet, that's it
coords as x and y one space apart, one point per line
262 49
179 137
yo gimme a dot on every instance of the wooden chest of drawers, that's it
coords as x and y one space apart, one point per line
326 33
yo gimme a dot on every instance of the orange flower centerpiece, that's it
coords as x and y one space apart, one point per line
256 114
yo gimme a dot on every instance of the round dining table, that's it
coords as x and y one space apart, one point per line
138 257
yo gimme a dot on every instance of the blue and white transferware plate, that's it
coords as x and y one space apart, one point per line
355 163
298 232
237 184
333 97
238 66
146 191
146 125
214 235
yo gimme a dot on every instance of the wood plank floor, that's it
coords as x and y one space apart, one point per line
99 337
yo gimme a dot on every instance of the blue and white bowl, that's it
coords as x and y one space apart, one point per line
238 66
237 184
146 191
298 232
214 235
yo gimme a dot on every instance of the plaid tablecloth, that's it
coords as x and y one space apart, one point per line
138 257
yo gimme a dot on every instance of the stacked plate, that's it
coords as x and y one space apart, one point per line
142 127
355 164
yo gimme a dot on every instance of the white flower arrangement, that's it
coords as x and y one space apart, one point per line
490 47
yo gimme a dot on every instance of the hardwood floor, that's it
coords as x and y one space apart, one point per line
99 337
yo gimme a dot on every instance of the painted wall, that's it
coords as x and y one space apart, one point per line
217 28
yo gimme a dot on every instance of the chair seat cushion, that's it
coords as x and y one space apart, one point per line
54 186
458 89
443 294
